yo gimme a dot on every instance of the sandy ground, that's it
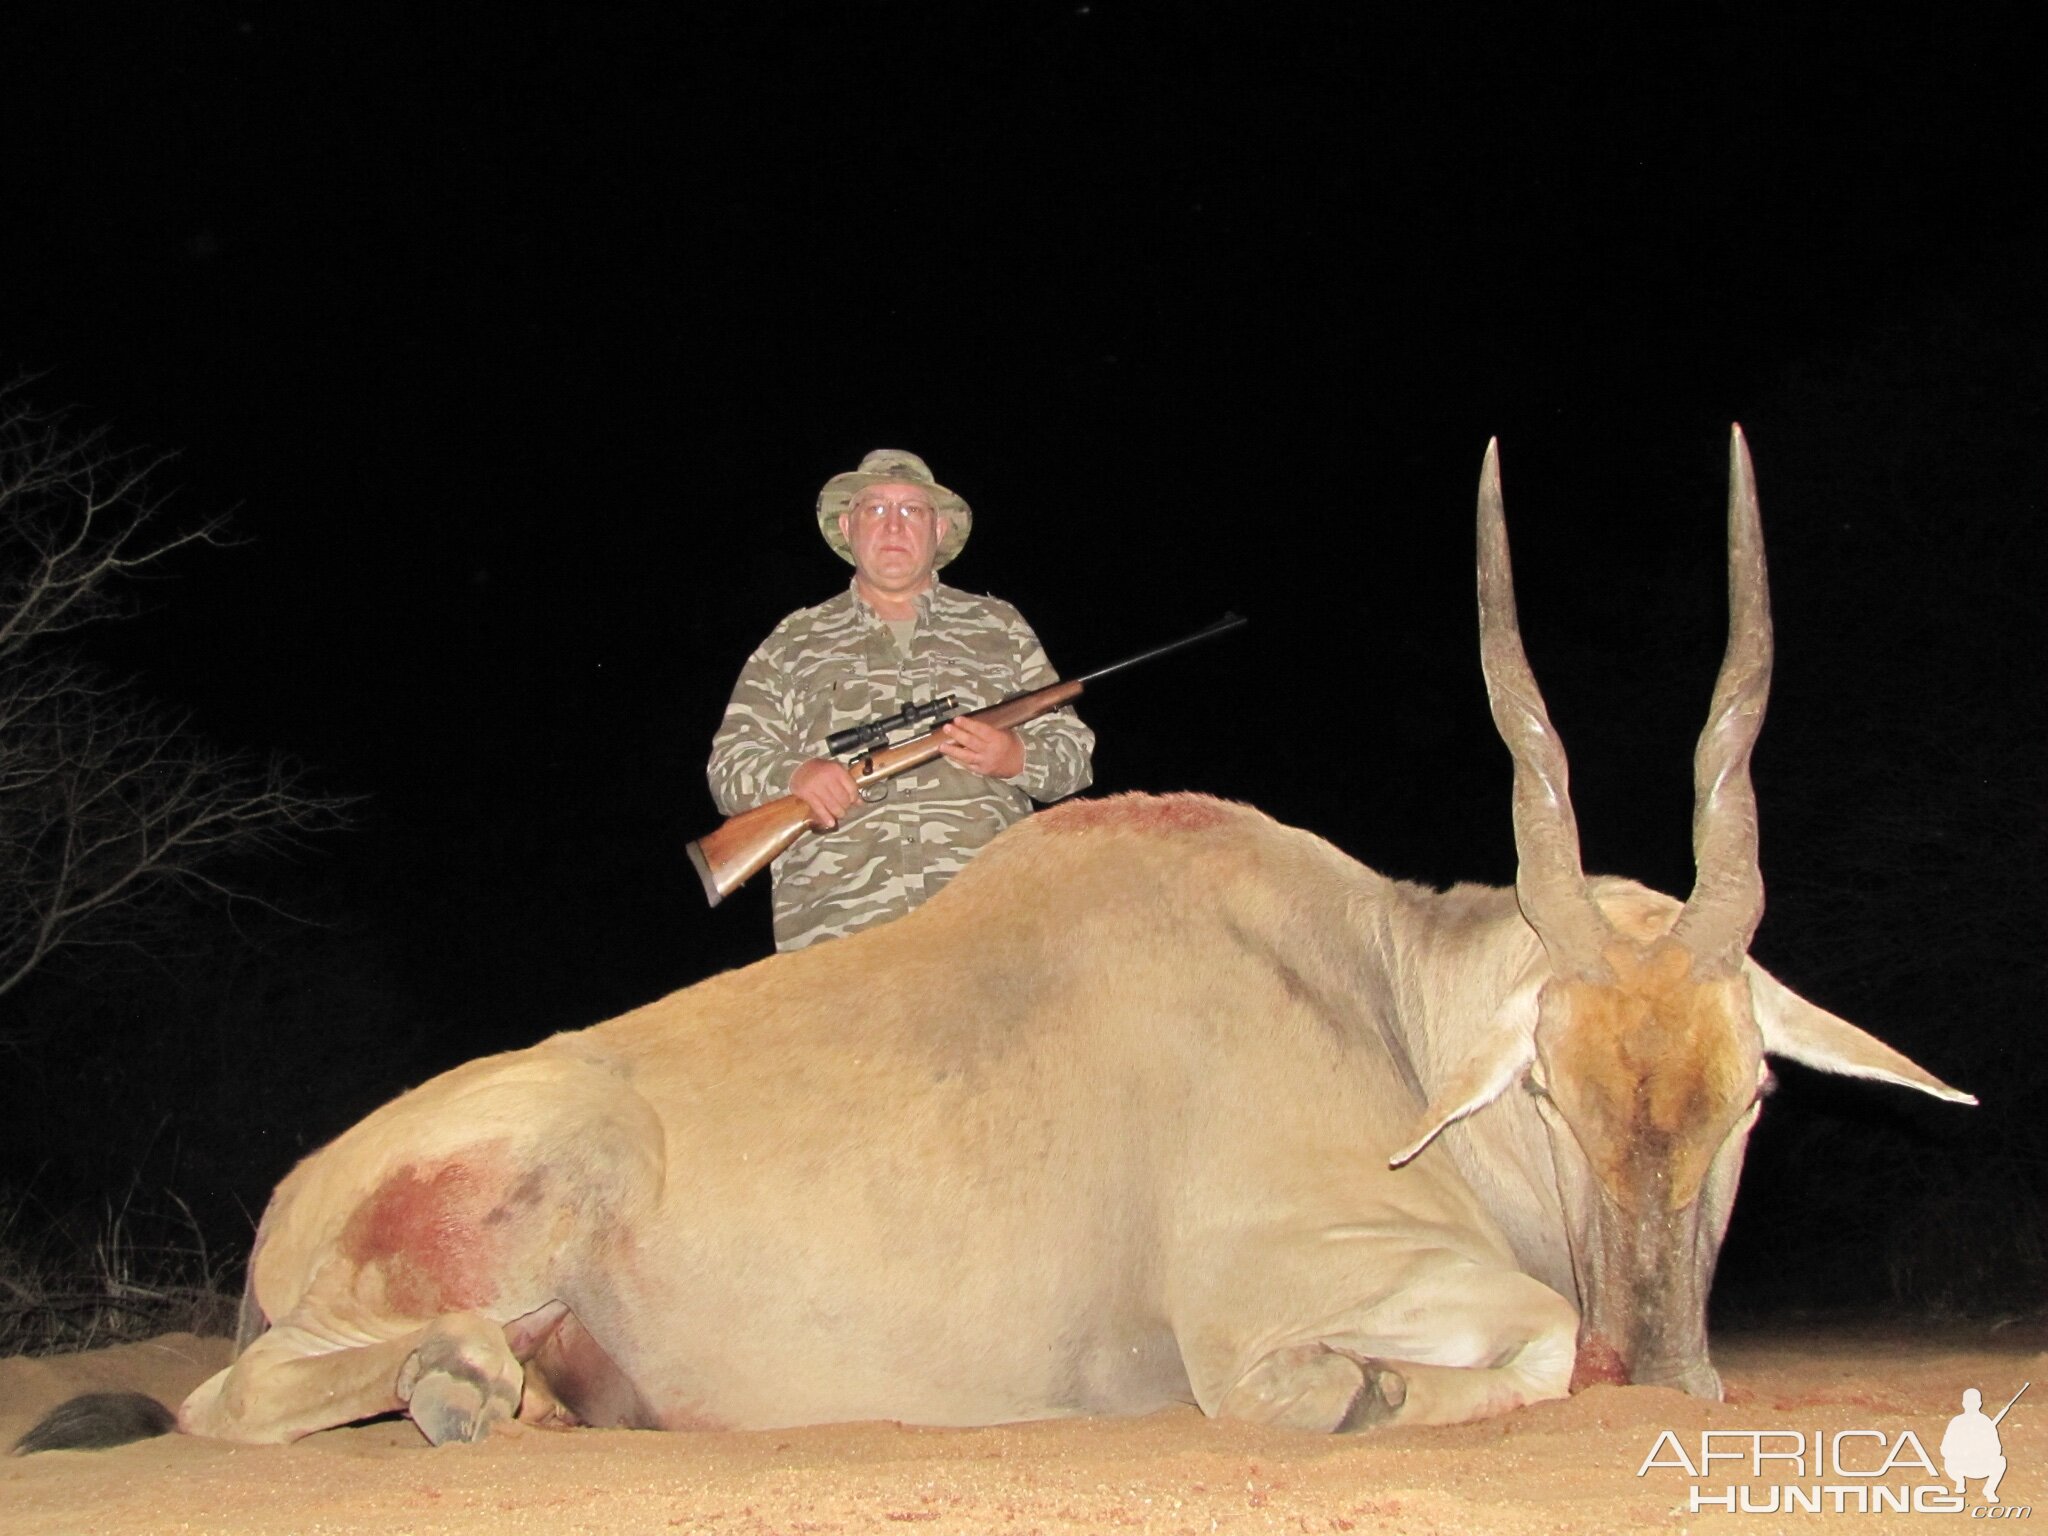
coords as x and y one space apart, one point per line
1569 1467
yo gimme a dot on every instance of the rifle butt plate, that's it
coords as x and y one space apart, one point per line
712 894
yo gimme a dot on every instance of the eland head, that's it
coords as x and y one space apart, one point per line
1642 1042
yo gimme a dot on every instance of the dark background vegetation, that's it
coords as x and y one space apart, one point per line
518 341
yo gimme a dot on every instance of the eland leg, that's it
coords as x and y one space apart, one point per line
455 1377
1442 1341
1474 1344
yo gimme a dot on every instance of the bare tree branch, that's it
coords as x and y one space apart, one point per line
113 812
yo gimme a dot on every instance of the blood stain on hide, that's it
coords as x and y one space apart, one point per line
1599 1364
524 1196
1137 812
423 1226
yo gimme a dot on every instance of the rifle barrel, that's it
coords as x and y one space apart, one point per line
1222 626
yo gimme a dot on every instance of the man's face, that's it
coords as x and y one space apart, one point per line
895 533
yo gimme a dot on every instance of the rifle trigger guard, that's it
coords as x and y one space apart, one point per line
870 794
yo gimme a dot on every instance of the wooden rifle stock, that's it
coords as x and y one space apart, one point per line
726 857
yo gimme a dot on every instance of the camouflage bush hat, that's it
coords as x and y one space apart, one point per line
878 468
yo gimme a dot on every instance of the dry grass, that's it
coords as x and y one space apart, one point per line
120 1274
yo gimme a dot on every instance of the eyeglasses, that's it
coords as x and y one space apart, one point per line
910 511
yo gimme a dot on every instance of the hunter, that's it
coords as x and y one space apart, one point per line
896 636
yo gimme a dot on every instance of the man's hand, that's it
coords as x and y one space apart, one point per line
988 750
827 788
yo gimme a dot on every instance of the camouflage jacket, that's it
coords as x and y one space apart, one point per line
836 665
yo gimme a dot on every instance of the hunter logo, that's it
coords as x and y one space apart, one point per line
1849 1471
1971 1447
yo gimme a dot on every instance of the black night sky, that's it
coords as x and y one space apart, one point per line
518 340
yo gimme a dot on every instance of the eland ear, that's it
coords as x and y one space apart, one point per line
1802 1032
1501 1056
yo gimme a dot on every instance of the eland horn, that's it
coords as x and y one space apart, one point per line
1550 882
1727 899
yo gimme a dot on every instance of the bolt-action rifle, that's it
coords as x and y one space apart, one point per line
727 856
